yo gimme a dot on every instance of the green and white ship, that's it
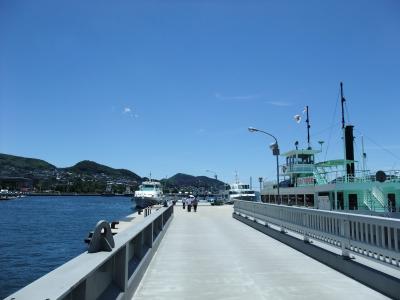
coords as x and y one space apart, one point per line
334 184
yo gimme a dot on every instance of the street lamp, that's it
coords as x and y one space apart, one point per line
215 174
275 151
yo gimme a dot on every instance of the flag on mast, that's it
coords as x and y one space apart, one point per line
297 118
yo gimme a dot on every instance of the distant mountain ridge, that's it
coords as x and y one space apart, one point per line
14 166
11 165
17 166
185 180
88 167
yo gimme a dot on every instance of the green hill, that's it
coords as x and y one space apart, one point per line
11 165
87 175
87 167
184 180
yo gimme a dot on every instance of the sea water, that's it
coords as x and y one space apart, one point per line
38 234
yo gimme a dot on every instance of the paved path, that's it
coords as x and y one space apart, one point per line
210 255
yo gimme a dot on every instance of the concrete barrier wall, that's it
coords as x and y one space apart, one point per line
104 275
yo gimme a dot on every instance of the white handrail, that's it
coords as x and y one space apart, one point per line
375 237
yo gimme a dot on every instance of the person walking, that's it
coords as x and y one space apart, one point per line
183 203
194 203
189 202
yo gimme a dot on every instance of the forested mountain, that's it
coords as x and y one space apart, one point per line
87 177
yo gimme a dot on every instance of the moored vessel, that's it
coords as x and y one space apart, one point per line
149 193
338 184
237 191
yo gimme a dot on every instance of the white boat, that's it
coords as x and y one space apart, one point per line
149 193
238 191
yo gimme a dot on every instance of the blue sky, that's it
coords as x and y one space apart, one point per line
171 86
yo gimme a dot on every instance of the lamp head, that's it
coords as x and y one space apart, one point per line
273 146
252 129
275 149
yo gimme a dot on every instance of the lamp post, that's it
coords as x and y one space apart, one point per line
215 174
275 151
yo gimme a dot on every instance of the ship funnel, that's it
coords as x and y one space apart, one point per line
349 144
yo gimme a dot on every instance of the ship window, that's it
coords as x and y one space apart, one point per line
148 187
292 199
340 202
392 202
353 203
263 198
310 200
305 159
272 198
300 200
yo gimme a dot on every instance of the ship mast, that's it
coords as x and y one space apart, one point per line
342 101
348 142
308 129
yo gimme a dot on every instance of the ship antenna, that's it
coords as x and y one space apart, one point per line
236 177
342 101
308 129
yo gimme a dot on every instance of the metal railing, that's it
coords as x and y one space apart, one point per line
377 238
297 168
340 176
114 274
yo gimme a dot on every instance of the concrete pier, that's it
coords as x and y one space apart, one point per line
210 255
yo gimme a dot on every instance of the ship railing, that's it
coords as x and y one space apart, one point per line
104 275
340 176
376 238
297 168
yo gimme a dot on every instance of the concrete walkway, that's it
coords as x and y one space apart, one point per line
210 255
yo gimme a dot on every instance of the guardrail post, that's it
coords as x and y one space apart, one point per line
306 224
281 217
345 242
120 268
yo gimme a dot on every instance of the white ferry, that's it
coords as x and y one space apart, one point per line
149 193
238 191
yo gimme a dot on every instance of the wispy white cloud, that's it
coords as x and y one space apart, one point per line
278 103
237 98
200 131
129 112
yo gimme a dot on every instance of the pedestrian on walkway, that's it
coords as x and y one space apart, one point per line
183 203
194 203
189 202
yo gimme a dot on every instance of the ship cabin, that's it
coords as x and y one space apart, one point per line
296 178
299 168
332 185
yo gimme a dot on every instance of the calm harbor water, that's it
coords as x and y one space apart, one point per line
38 234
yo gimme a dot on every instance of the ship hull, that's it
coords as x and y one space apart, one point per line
143 202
